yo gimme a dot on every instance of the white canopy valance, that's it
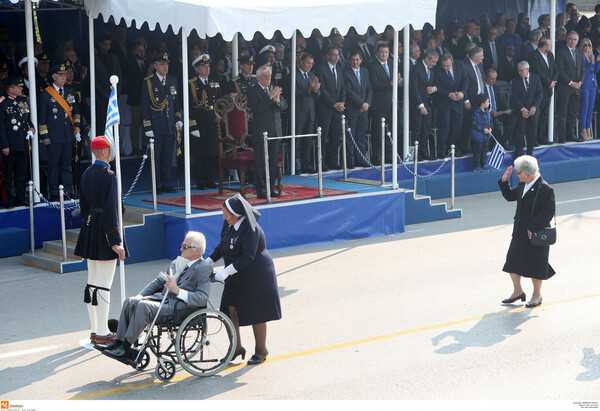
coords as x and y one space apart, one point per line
209 17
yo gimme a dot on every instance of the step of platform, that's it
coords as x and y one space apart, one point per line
420 209
134 220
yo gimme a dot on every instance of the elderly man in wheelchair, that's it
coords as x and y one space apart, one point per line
174 302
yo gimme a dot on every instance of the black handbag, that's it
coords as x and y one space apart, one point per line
546 236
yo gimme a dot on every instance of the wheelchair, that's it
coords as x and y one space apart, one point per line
202 341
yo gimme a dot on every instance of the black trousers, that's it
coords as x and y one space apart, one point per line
376 116
15 170
306 126
451 118
163 156
358 125
59 164
259 165
567 112
330 122
421 128
526 126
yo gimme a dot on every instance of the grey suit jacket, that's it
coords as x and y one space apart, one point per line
195 281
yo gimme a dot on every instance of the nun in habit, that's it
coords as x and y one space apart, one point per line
250 295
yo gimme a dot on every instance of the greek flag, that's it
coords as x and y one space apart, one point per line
496 159
112 118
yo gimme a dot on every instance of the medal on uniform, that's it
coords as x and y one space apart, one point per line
173 90
54 110
52 100
231 244
15 128
13 121
70 99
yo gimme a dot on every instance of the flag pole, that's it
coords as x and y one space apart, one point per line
114 80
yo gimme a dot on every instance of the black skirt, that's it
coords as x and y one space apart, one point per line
528 260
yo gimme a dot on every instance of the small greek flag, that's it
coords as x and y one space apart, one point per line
496 159
112 118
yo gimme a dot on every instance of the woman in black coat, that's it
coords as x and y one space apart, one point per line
250 296
535 210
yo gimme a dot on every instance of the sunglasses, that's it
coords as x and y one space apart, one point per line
185 246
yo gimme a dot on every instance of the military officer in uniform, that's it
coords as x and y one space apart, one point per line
161 117
25 72
100 238
59 127
15 129
205 89
245 79
42 71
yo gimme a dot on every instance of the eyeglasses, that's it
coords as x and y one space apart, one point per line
586 45
185 246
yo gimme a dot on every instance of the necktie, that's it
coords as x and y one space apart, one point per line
492 98
450 76
511 63
182 274
163 82
358 77
494 55
365 50
306 79
574 57
387 70
60 91
526 85
334 73
142 67
479 82
266 91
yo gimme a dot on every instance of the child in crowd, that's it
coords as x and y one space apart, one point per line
481 128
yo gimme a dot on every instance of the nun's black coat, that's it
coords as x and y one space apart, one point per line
253 289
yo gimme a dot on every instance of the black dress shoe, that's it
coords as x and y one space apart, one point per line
310 171
258 358
276 194
324 168
111 346
512 300
261 196
118 353
211 185
170 189
241 351
441 156
425 156
200 187
532 304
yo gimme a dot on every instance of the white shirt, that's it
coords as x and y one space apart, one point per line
545 57
160 79
529 185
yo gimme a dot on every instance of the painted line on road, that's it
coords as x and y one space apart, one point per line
26 352
137 386
578 200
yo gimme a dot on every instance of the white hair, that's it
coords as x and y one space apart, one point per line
262 70
527 165
198 240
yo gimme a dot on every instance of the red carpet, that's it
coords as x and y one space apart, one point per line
213 200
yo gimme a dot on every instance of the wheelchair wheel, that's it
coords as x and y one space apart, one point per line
205 342
144 361
166 370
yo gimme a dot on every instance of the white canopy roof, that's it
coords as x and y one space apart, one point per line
209 17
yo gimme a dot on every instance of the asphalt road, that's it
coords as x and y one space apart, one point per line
412 316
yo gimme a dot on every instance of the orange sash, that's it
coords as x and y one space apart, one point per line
63 104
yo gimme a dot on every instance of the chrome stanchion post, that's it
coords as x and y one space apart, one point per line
452 175
344 147
319 164
153 168
31 227
416 162
61 194
382 151
267 177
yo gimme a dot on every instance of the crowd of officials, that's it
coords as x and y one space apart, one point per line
468 82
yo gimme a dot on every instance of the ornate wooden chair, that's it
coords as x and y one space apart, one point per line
232 115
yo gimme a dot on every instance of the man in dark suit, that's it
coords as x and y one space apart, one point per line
571 72
367 49
331 106
161 117
421 90
358 101
307 90
186 283
534 40
452 82
136 68
380 73
507 67
106 65
491 52
474 68
266 103
541 63
469 37
499 110
526 96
